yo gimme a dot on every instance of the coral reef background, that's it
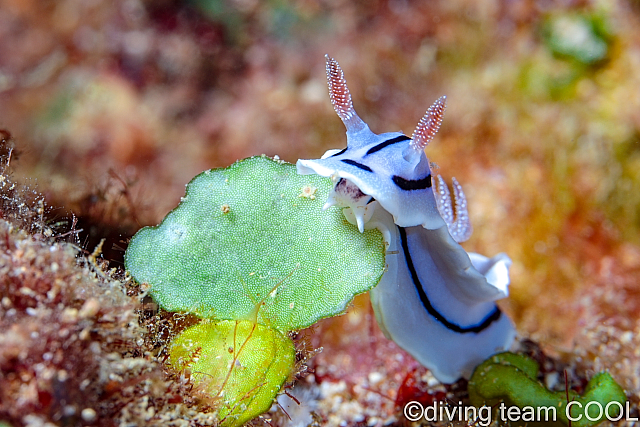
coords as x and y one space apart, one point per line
115 105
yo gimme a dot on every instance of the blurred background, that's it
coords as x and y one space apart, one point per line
115 105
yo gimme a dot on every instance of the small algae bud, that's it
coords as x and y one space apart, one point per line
308 192
240 364
511 379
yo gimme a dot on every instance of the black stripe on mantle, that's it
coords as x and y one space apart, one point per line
492 317
412 184
356 164
387 143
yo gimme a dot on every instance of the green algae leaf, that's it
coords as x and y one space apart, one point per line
251 242
512 378
240 364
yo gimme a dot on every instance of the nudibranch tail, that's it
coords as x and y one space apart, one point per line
341 97
429 125
460 226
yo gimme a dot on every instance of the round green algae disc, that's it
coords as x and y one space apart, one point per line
241 364
251 242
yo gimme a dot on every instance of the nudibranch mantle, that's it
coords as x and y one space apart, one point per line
435 300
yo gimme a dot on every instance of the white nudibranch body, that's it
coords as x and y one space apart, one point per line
435 300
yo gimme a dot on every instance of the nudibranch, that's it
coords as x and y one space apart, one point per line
435 300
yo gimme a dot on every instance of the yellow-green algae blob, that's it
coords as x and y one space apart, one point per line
511 378
255 234
241 364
